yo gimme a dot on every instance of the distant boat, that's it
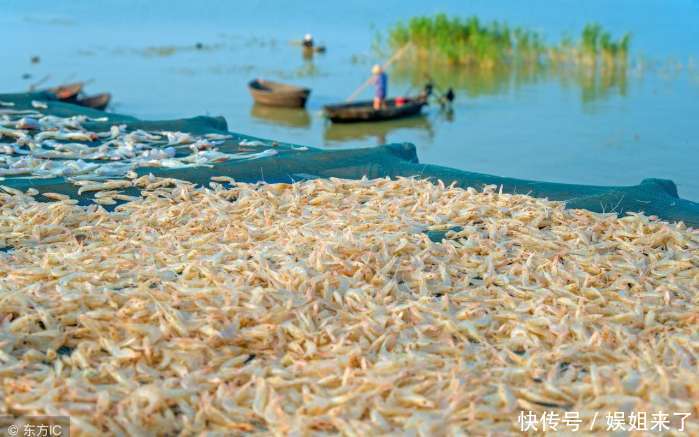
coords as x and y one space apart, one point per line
68 92
270 93
98 101
364 111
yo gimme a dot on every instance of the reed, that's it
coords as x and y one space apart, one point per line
596 42
459 41
469 41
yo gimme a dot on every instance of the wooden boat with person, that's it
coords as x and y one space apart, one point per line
269 93
399 107
97 101
68 92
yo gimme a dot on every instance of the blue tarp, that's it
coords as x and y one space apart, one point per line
652 196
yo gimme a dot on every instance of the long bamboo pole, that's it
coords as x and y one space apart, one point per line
395 56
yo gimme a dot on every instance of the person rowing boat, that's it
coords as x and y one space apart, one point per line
308 41
310 47
380 80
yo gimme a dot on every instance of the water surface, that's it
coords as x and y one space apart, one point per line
534 123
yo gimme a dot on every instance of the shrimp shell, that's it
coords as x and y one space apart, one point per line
322 307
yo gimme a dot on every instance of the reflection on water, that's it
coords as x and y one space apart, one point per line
291 117
596 82
447 114
339 133
514 121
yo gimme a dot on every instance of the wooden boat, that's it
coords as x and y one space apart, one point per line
364 111
98 101
68 92
270 93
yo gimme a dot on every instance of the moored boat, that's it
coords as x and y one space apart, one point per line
97 101
68 92
364 111
270 93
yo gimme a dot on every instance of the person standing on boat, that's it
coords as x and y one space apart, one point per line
308 41
380 85
308 47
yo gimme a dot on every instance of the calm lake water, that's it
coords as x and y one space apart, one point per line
535 124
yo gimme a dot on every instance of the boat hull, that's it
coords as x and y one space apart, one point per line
365 112
280 95
67 93
99 101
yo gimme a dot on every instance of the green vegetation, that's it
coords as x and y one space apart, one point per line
459 41
492 58
596 41
471 42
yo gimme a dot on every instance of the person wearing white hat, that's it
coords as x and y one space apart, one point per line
380 86
308 41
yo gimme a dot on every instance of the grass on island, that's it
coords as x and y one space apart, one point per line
469 41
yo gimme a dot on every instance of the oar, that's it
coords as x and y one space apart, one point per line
33 86
395 56
85 82
82 82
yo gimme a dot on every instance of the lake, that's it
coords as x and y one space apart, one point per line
536 124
